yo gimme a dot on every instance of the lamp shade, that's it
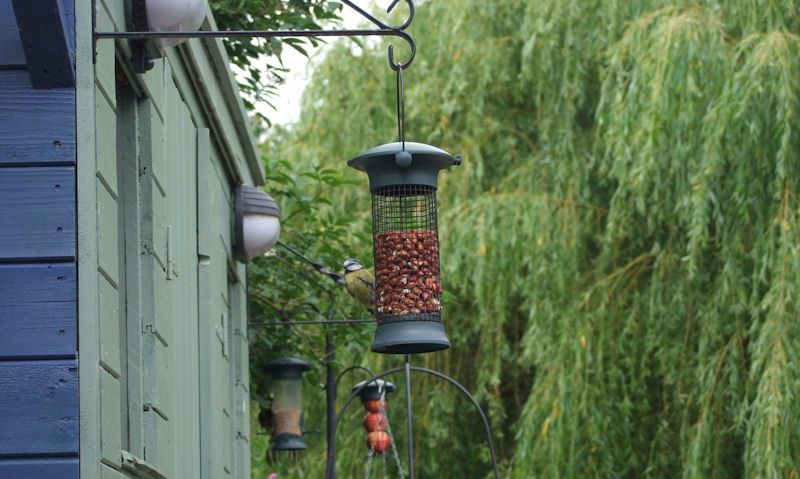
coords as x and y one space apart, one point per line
175 16
258 225
287 403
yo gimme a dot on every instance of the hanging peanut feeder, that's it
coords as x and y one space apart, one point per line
403 180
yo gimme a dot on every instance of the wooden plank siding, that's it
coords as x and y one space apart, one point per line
51 468
38 408
39 413
31 326
159 154
38 125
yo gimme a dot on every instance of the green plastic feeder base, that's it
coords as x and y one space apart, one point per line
410 337
288 442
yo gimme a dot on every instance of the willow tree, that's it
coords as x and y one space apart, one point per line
622 243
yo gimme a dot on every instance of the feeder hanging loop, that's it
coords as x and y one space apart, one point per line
405 162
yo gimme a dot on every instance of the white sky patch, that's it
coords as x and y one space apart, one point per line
287 102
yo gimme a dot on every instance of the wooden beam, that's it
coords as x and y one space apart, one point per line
46 41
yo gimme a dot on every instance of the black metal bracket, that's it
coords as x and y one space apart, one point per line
383 29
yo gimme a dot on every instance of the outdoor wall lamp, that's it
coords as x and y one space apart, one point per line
160 17
286 412
173 16
257 223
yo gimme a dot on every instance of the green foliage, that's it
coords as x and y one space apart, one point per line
261 77
620 245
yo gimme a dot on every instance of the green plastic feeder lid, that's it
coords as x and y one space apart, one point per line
372 389
391 165
287 368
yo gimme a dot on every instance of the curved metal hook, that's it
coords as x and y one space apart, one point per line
379 23
398 31
407 23
411 43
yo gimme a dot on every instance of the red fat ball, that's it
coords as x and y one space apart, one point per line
379 442
375 421
376 405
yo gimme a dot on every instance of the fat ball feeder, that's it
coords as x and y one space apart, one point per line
376 421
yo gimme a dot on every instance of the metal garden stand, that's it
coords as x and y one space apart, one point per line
407 369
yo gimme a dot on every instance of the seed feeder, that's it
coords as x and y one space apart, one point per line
287 404
376 422
403 179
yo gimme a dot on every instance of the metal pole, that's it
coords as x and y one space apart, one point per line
330 389
410 419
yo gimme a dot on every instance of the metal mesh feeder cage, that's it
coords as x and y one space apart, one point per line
403 180
287 403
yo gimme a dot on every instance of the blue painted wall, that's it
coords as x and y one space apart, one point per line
38 289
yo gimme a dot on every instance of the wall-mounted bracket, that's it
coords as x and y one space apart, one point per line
141 58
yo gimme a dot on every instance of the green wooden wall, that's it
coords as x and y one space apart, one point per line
162 307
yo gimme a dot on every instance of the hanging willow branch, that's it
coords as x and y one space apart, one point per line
622 246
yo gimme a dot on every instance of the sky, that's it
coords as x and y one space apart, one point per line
287 101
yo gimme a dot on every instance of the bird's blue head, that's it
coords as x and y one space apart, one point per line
351 265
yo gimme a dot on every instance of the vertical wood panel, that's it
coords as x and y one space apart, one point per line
38 311
107 234
37 212
110 408
84 125
107 143
131 155
241 376
108 316
104 66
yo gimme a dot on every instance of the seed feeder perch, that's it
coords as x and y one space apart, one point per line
403 179
287 403
376 422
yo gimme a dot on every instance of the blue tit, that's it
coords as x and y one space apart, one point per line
359 283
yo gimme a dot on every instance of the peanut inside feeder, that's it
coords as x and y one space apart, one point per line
408 286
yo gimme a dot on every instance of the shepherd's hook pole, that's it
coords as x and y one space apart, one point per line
330 390
410 419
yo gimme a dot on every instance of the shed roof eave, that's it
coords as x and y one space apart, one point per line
233 99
